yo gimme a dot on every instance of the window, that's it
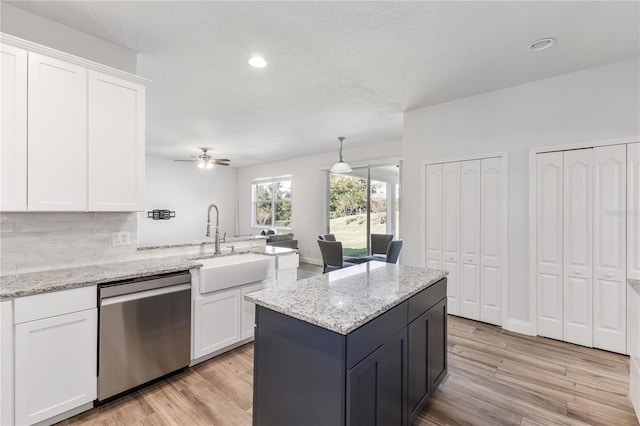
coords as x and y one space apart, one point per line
272 202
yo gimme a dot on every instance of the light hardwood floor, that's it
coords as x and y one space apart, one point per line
495 377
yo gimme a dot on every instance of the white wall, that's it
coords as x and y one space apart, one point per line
188 190
37 29
593 104
308 190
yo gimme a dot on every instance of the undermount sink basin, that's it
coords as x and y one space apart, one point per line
218 273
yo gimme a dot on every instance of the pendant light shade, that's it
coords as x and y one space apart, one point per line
341 166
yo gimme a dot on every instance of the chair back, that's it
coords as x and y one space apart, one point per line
393 252
327 237
380 243
331 252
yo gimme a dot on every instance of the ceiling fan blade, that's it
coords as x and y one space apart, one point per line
221 159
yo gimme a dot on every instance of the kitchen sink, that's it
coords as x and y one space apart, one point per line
218 273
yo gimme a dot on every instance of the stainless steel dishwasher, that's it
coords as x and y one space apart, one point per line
144 331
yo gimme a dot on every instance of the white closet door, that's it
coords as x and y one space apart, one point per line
633 207
610 240
433 210
490 237
451 236
470 239
549 188
578 247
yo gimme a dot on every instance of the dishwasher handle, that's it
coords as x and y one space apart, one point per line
144 294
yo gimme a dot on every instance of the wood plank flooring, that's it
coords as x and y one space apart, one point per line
495 377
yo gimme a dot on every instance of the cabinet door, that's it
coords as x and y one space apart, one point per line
217 321
451 232
549 195
433 208
249 310
394 383
633 208
578 247
57 124
55 365
116 144
13 145
6 363
364 391
491 241
470 240
437 331
287 277
610 246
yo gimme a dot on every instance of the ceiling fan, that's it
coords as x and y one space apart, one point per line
205 161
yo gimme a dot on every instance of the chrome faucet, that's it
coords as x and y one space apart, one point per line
217 235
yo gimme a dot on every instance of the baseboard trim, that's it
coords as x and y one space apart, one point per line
519 326
311 260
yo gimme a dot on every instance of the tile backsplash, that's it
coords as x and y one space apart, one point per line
31 242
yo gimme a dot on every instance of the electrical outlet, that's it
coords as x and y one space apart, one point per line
120 238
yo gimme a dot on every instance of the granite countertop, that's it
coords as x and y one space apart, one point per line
345 299
227 240
13 286
635 285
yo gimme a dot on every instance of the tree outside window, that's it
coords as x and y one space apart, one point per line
272 202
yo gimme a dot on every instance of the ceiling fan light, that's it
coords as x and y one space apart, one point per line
208 165
200 164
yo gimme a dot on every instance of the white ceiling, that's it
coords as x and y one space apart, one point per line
335 68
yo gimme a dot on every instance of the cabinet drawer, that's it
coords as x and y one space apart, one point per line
369 337
288 261
30 308
423 301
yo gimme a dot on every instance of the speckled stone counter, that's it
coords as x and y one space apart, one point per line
343 300
227 240
13 286
634 284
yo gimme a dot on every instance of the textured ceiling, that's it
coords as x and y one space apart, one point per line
335 68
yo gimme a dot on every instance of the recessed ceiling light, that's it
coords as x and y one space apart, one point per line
257 62
542 44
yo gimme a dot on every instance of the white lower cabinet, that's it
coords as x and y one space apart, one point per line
633 335
217 321
249 310
287 270
6 362
55 356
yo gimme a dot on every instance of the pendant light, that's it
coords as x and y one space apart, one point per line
341 166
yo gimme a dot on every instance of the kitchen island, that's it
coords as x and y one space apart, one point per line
364 345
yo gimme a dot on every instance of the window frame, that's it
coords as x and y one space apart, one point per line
273 201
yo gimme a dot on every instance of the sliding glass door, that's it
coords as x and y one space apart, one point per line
364 202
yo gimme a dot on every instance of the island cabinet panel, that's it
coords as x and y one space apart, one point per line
381 373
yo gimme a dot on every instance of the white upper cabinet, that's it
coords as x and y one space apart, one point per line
13 148
470 239
633 208
57 153
549 188
491 241
451 233
116 144
434 216
73 132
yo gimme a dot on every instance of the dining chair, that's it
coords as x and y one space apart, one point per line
332 256
380 243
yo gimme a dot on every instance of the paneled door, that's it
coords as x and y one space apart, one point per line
433 209
470 239
13 145
116 144
578 247
490 241
610 285
633 211
549 188
451 232
57 123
